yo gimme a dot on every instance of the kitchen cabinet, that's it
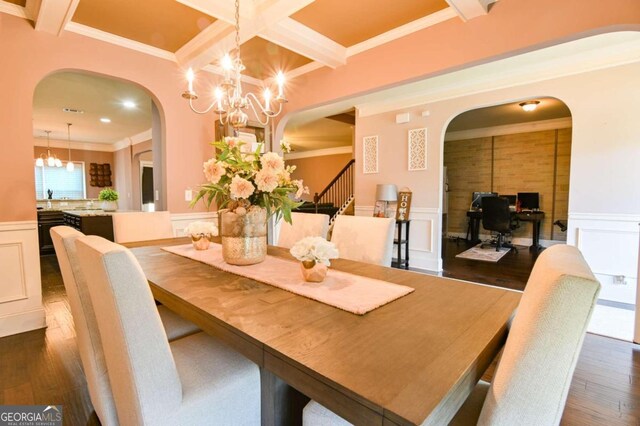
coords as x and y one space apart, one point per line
47 220
90 223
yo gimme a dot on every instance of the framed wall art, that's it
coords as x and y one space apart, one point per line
370 154
418 149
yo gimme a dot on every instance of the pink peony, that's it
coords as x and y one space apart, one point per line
272 161
241 188
213 170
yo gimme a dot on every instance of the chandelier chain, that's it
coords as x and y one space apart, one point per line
237 29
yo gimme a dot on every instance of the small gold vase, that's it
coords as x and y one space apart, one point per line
244 236
200 242
313 272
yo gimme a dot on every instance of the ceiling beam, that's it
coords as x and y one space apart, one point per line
52 15
304 41
14 9
469 9
219 37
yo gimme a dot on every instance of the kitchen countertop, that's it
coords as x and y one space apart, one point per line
83 213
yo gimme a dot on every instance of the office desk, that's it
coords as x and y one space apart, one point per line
475 218
413 360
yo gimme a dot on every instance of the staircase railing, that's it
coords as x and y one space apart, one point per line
339 191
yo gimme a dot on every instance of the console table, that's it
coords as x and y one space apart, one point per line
401 262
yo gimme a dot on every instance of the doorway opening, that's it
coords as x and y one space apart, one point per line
510 152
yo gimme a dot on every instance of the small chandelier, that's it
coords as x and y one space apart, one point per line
70 165
52 160
229 101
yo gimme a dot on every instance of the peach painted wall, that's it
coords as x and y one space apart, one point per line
511 28
28 56
81 155
122 168
317 172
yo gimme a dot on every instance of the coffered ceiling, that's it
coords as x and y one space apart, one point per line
293 36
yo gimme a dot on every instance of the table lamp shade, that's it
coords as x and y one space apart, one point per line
386 192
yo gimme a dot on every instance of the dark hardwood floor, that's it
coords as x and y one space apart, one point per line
512 271
43 366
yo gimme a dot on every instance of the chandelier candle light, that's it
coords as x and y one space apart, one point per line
229 101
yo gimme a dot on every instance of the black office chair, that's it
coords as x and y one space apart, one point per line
496 217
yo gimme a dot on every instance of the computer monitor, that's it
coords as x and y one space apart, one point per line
476 199
512 199
529 200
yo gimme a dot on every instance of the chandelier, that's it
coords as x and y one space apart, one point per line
229 101
51 159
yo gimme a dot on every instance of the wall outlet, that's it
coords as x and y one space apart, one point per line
188 195
619 280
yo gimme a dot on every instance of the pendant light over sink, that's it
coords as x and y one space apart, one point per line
70 165
51 159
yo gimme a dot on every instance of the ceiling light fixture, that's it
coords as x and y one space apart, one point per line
70 165
105 120
52 160
529 106
229 101
129 104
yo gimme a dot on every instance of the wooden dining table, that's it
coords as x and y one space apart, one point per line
412 361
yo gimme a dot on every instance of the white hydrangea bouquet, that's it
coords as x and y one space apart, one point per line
238 180
201 229
201 234
315 254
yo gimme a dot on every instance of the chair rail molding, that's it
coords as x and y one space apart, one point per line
609 243
20 284
424 241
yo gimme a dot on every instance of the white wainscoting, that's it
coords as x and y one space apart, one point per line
609 243
180 221
20 285
423 237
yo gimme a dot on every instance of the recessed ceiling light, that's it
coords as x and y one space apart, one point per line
105 120
129 104
529 105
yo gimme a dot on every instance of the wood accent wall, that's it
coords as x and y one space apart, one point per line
508 164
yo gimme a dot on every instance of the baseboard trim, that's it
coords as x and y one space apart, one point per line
22 322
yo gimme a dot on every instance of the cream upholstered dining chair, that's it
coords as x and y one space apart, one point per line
88 336
364 239
533 377
190 381
303 225
141 226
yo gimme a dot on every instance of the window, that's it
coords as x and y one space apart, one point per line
63 183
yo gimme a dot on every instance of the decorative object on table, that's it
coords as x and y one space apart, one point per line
370 154
100 175
314 253
417 149
201 234
387 193
49 194
247 189
109 198
404 204
229 101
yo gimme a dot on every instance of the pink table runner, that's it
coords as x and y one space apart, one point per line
352 293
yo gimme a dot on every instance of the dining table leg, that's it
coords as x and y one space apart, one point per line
281 404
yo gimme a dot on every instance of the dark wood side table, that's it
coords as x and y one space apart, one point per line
401 262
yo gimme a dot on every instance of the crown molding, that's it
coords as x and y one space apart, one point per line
133 140
14 9
509 129
319 152
81 146
575 57
86 31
